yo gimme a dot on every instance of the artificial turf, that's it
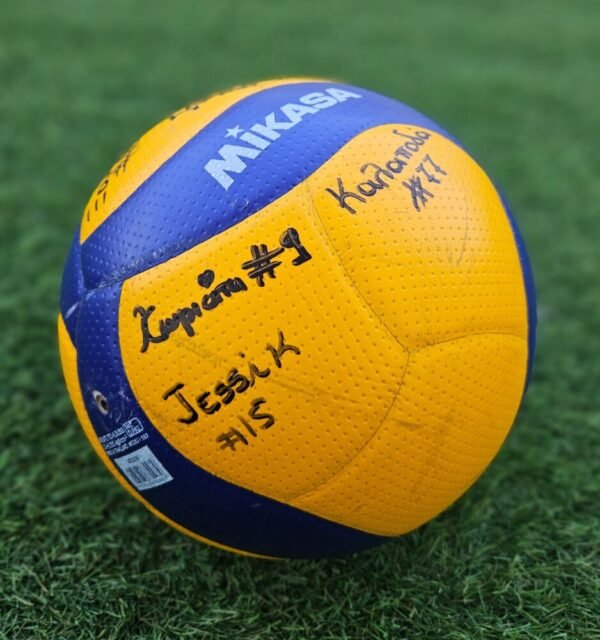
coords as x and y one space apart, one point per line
518 556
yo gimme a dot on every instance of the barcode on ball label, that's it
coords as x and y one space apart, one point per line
143 469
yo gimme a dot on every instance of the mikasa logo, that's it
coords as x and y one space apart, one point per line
261 135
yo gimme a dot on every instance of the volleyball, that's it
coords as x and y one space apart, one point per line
297 319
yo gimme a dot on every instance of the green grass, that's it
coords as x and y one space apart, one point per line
518 557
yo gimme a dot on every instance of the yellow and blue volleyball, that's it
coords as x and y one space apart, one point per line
297 319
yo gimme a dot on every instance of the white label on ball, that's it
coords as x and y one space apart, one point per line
143 469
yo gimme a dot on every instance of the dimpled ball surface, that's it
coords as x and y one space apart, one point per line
297 319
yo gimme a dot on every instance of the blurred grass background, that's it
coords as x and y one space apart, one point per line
517 82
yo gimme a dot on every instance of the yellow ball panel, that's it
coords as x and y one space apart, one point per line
450 268
455 406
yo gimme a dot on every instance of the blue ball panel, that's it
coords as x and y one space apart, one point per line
72 287
529 288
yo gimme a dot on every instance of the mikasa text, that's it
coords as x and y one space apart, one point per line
261 135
